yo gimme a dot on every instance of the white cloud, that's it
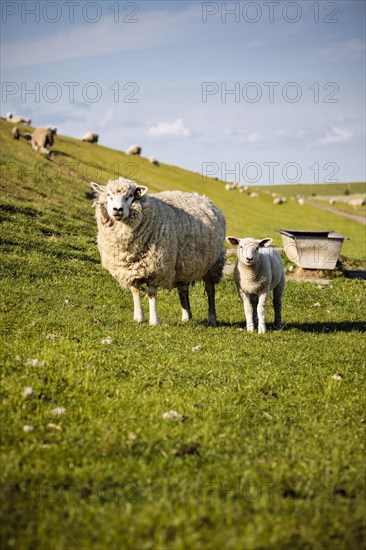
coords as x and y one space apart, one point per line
336 135
176 128
351 48
105 37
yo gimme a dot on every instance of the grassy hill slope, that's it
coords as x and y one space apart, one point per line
268 449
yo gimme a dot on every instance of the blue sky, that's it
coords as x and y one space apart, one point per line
272 92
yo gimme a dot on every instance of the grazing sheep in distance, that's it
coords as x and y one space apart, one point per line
279 200
134 150
154 161
91 137
253 195
170 239
358 201
15 132
42 139
332 201
17 119
257 271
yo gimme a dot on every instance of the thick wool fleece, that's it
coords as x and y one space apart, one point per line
170 238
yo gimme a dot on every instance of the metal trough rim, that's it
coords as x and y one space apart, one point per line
311 233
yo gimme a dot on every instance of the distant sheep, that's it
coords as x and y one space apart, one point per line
332 201
258 270
279 200
42 140
153 161
15 133
91 137
253 195
169 239
18 119
301 201
358 201
134 150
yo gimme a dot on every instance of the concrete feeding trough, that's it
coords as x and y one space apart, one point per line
312 249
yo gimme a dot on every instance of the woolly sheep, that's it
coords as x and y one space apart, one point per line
42 139
17 119
358 201
134 150
153 161
15 132
257 271
169 239
91 137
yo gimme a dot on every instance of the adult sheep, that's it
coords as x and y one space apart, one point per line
42 140
258 270
134 150
90 137
169 239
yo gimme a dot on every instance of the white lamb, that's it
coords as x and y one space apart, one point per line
258 270
169 239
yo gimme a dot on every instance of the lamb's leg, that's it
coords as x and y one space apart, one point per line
262 300
153 310
138 314
254 302
184 302
248 311
277 304
210 290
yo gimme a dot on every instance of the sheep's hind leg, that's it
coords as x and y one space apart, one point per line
254 302
138 314
153 310
183 292
210 291
277 304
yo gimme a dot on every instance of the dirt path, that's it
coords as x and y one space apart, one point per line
358 219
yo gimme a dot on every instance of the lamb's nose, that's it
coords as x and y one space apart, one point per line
118 210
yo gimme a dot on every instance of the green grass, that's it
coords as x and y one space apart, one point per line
268 451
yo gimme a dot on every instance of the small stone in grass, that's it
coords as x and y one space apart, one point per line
28 391
197 348
32 363
28 429
66 302
337 377
131 436
171 415
59 411
317 304
107 340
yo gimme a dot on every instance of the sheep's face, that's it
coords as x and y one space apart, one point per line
119 196
248 249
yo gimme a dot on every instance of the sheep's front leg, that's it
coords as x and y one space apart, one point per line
153 310
184 302
210 290
138 314
262 300
248 311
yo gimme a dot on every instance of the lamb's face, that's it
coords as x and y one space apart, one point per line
248 250
119 197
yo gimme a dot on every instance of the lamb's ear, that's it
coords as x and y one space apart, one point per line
140 191
265 242
232 240
98 188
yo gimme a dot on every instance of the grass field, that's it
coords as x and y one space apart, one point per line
268 449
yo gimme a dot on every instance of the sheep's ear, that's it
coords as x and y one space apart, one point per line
98 188
265 242
140 191
232 240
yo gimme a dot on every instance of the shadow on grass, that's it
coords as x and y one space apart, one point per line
342 326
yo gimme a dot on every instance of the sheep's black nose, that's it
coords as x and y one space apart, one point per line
118 210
